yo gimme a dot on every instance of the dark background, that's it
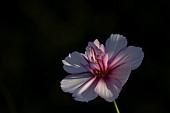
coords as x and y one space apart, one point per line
36 35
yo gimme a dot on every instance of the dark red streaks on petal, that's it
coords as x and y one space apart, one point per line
113 63
100 64
113 68
112 59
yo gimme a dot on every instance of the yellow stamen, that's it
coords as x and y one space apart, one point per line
95 61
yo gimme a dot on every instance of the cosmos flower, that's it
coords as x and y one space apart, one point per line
101 70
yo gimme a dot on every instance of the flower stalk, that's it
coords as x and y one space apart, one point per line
116 106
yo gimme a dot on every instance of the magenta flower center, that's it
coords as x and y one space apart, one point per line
101 72
97 61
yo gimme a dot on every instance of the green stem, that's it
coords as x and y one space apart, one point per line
116 107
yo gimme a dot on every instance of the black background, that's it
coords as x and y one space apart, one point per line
36 35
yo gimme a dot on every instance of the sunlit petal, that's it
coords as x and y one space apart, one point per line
75 63
71 82
114 44
86 91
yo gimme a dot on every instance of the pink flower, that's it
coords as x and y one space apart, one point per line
102 70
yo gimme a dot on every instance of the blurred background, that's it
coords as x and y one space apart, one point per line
36 35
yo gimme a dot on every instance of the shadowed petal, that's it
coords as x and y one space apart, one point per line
120 74
115 87
74 63
94 66
71 82
102 48
92 45
86 92
114 44
136 56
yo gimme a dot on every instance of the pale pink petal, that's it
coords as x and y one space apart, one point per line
105 61
91 51
94 50
102 48
75 63
88 54
114 44
103 90
136 56
71 82
99 46
86 92
100 63
97 43
92 45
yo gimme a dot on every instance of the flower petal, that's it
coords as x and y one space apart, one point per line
71 82
121 58
110 87
104 91
94 49
86 92
94 66
120 74
99 46
114 44
131 54
115 87
105 61
136 56
102 48
97 43
74 63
